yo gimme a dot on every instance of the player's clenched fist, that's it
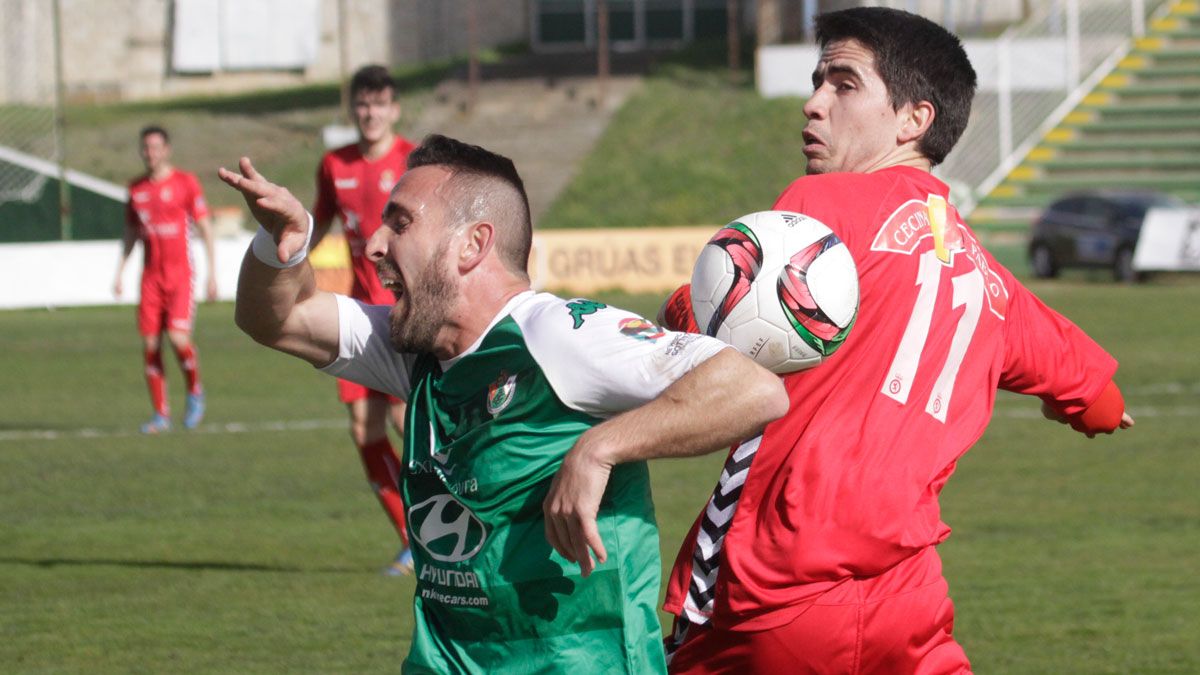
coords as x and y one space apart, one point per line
273 206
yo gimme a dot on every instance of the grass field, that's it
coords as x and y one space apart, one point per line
253 544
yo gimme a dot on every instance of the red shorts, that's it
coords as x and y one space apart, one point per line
166 303
349 392
897 622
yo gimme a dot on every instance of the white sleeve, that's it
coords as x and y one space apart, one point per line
607 360
365 352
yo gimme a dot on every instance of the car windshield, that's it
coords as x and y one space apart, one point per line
1136 206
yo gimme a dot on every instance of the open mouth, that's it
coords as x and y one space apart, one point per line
389 276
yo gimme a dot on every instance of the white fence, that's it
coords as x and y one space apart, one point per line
74 273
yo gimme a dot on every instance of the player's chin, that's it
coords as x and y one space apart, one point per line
816 165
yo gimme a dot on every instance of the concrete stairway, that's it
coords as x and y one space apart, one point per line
1139 129
546 117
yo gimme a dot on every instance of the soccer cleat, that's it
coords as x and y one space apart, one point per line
194 411
158 424
402 565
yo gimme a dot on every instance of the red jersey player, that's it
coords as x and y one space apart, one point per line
161 205
354 184
816 552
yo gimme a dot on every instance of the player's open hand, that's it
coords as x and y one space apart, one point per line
211 290
273 206
572 505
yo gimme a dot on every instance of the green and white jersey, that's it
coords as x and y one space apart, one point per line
485 434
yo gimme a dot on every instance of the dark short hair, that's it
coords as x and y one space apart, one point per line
469 163
151 129
918 60
373 77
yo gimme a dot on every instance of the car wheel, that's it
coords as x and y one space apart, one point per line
1042 261
1123 267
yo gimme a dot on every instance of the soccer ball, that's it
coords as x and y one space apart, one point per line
779 286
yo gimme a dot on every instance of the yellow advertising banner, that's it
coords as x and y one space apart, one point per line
637 260
641 260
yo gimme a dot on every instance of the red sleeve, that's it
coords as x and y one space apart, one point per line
1103 415
197 206
326 206
1048 356
676 313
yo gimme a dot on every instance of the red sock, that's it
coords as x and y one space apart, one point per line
383 472
156 383
190 367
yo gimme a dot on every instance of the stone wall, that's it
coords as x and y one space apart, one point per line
121 49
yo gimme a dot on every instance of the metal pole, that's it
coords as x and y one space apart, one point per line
602 50
60 125
1138 9
343 60
1073 45
1004 95
809 20
733 36
473 76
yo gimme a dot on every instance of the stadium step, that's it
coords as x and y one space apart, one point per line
1184 74
1139 128
1149 124
1127 144
1152 181
1124 109
1127 163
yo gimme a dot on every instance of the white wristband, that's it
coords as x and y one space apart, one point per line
267 251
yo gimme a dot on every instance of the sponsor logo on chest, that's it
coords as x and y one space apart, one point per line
387 180
446 529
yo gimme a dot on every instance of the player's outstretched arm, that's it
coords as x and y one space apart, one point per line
724 400
280 307
1105 415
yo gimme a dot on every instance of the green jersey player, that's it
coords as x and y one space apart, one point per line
502 383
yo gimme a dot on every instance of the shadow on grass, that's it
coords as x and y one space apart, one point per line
176 565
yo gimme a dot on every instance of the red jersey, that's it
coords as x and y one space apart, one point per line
161 211
356 189
847 483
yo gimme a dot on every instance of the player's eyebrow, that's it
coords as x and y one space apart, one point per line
393 211
835 68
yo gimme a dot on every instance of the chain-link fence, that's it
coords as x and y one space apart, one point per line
28 141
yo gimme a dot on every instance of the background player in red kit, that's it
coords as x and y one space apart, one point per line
354 183
161 204
817 551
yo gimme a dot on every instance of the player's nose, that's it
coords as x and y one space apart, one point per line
377 245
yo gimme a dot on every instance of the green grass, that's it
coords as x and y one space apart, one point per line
241 549
279 128
689 148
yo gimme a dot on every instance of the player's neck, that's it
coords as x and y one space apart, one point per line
477 307
379 148
161 172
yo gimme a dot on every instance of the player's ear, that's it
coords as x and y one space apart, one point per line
915 120
478 241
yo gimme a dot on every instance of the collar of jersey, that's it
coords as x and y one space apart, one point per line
504 311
